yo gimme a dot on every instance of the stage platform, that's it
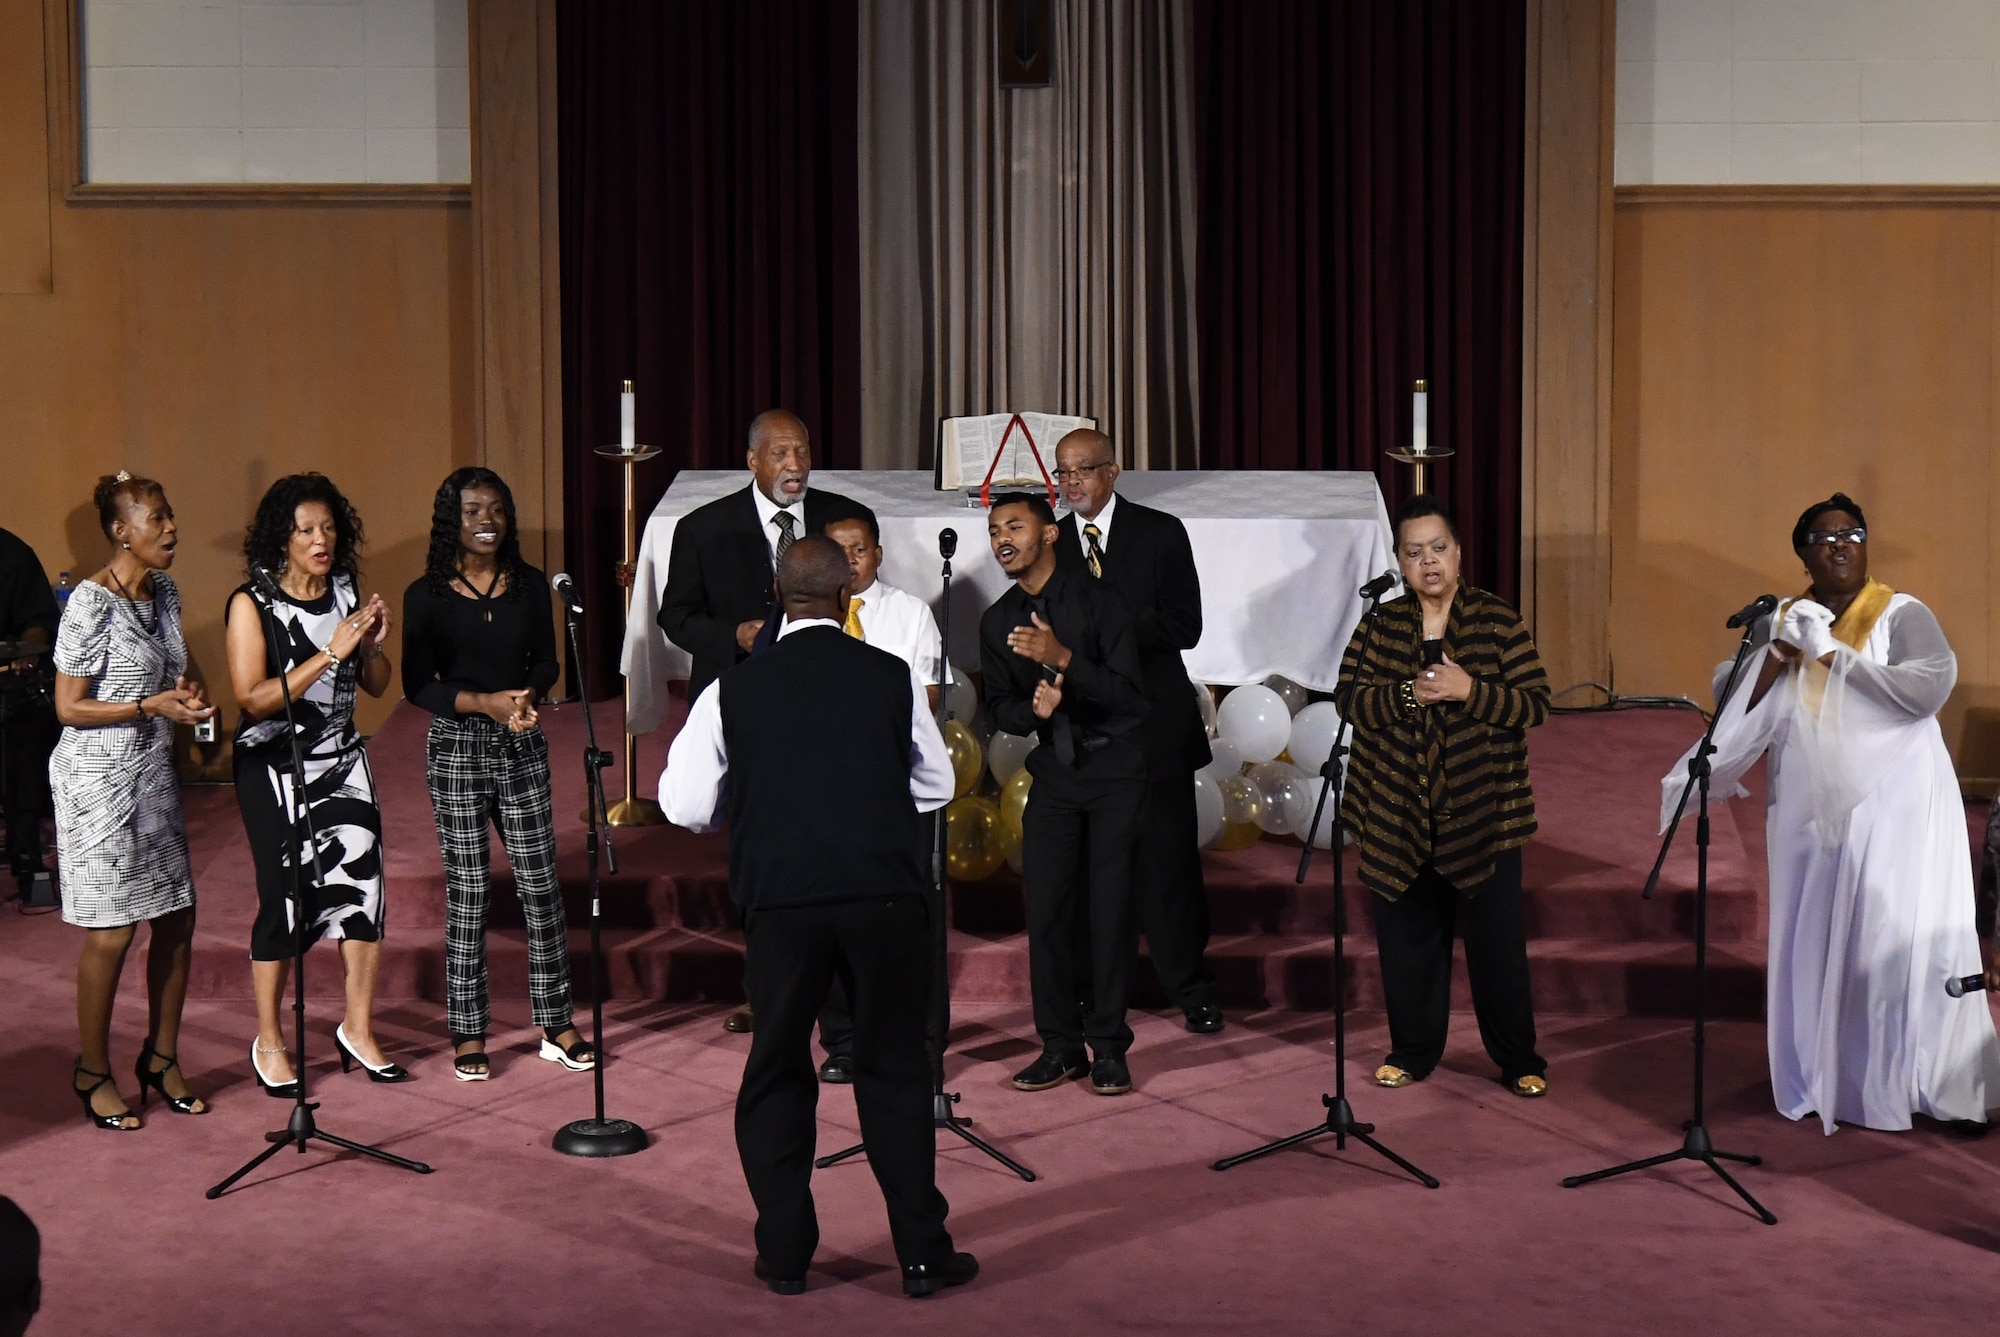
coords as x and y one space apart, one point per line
1126 1230
1597 948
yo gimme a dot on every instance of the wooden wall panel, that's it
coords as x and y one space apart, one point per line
24 151
218 346
1768 354
1566 360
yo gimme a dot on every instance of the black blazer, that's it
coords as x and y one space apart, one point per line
719 575
1150 565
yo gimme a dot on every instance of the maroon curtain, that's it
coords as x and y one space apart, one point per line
709 249
1359 179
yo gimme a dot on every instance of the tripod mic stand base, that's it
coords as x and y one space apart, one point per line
599 1137
1340 1125
301 1129
945 1122
1696 1146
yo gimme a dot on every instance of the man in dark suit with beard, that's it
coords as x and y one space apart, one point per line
1143 556
719 573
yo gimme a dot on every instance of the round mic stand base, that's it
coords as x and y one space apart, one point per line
599 1137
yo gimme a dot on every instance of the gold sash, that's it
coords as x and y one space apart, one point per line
1852 629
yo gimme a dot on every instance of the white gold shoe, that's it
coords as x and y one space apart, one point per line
579 1057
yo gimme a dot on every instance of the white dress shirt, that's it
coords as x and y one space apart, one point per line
694 784
767 513
895 620
1103 523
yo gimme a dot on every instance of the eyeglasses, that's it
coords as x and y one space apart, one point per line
1828 538
1078 474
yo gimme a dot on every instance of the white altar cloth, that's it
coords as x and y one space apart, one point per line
1280 554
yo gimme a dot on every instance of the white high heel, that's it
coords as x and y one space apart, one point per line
278 1090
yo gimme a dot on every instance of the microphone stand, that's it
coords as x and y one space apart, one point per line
596 1136
942 1115
1696 1145
301 1128
1340 1120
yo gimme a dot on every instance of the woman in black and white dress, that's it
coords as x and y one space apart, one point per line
309 538
122 684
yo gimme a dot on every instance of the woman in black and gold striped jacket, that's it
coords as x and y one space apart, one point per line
1438 800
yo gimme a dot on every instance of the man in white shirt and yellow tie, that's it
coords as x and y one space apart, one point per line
895 620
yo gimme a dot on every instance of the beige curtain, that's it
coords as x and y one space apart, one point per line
1027 248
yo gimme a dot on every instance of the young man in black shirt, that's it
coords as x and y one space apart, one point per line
1060 662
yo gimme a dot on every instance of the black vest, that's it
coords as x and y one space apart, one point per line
817 733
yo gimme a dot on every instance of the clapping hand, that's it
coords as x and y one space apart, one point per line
1039 643
377 614
1048 695
1806 629
187 703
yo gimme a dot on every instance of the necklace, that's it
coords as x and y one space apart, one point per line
135 602
485 596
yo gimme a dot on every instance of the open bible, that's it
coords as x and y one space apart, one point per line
1001 451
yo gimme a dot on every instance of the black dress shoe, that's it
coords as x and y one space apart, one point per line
1109 1076
740 1022
779 1285
1051 1069
838 1069
1204 1018
954 1269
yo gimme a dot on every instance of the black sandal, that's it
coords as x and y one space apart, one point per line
114 1122
155 1079
580 1056
473 1065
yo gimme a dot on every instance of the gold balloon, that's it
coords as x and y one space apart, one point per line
967 758
974 847
1242 801
1237 835
1014 799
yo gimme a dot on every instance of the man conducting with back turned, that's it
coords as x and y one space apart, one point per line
725 552
1059 662
1151 567
819 753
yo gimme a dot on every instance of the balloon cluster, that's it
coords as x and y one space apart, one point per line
1270 742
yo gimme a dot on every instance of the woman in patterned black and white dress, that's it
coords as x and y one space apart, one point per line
122 684
309 538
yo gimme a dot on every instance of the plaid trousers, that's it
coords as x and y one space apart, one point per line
481 773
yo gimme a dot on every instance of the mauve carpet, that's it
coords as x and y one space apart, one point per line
1127 1230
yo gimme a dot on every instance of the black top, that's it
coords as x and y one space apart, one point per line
719 576
1103 693
26 601
1150 565
817 734
449 646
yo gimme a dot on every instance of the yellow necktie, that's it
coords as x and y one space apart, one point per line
1092 553
854 619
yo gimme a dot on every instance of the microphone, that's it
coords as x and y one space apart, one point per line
947 543
262 579
1753 610
565 589
1379 586
1960 985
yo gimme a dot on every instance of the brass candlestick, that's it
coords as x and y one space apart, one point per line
1421 453
631 810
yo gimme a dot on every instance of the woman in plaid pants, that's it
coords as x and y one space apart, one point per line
479 651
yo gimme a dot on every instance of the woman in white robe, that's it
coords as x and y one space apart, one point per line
1871 872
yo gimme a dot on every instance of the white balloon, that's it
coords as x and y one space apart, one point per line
1299 802
1293 695
1006 752
1255 719
960 699
1207 810
1322 836
1225 760
1312 735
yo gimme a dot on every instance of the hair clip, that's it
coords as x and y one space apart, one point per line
123 477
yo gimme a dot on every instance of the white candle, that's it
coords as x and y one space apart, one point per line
628 420
1420 420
